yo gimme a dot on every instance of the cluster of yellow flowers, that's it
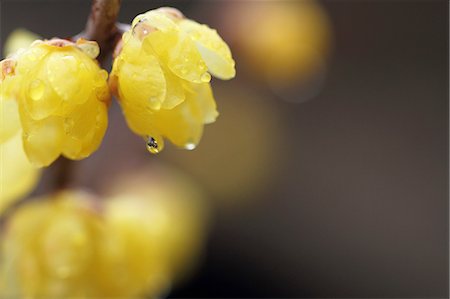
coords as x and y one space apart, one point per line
70 245
54 96
54 99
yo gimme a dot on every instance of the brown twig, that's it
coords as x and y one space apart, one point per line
101 26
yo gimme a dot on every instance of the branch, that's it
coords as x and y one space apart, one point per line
101 26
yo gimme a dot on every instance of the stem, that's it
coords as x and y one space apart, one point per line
64 173
101 25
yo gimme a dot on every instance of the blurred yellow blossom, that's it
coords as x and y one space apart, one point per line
285 42
166 205
19 39
17 175
72 245
62 96
162 77
48 250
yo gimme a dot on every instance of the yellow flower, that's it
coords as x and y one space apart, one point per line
18 39
167 208
62 96
17 175
70 245
48 250
162 77
283 42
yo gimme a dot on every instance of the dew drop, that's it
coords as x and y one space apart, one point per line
70 63
190 146
155 103
206 77
68 124
36 90
155 145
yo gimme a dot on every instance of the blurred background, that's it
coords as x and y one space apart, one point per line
326 174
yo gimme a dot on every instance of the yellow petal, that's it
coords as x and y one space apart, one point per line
175 92
43 141
185 61
85 128
93 140
214 51
67 74
183 125
17 175
156 19
203 97
9 119
143 83
38 98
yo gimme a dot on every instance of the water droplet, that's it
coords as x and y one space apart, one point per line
206 77
36 90
155 103
103 74
155 144
190 146
70 63
68 124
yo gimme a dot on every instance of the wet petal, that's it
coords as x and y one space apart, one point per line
175 92
9 119
213 49
40 151
185 62
17 175
143 83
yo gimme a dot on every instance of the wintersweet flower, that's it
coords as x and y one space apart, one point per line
162 76
48 250
62 96
73 245
162 221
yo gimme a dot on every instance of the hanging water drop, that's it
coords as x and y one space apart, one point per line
155 103
190 146
154 145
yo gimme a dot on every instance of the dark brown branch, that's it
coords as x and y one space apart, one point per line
101 25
